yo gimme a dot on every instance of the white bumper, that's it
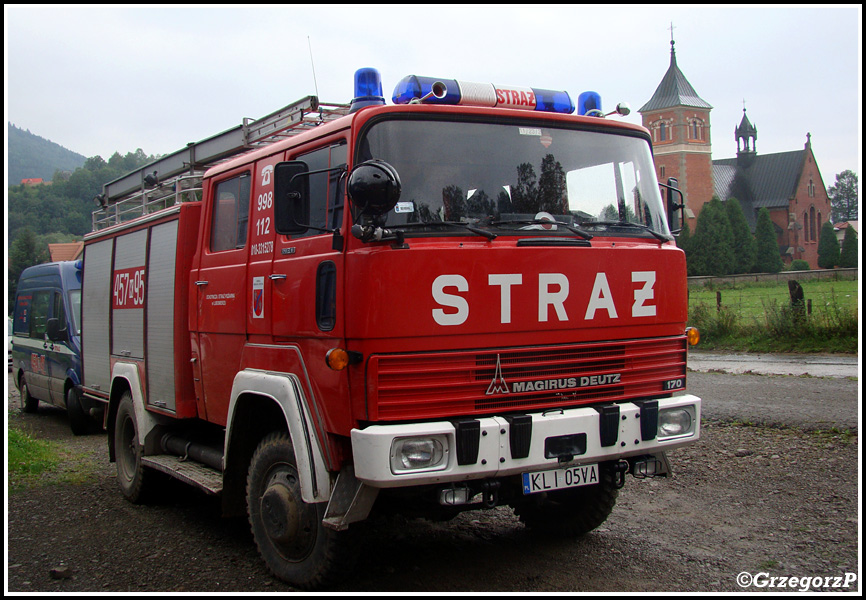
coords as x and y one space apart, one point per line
372 447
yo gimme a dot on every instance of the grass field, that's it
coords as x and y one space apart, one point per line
759 317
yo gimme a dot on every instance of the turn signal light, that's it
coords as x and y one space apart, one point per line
693 336
337 359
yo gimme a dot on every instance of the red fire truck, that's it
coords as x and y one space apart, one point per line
465 299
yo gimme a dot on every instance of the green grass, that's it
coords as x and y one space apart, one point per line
29 458
758 317
34 462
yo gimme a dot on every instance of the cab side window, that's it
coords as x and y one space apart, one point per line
326 189
231 213
40 312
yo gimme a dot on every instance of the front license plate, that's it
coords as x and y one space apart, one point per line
558 479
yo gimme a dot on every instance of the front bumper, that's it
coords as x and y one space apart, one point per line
605 440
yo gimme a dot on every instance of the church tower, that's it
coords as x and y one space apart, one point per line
746 134
679 121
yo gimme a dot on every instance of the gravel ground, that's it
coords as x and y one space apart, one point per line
746 504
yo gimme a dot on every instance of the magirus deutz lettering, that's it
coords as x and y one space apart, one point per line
549 385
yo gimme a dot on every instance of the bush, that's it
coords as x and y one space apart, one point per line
799 265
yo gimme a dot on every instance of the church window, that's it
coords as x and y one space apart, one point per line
812 225
663 132
811 188
662 172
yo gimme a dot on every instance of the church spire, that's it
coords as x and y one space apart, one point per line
747 133
674 89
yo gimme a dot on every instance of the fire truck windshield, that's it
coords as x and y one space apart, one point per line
517 177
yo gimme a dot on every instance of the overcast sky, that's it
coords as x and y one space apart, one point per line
101 79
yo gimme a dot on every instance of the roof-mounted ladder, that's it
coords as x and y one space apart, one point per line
176 177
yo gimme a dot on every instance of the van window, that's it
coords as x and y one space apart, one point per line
40 312
230 214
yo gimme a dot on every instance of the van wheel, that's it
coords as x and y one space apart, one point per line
289 533
79 421
131 473
27 403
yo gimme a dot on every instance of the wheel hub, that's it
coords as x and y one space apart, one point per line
279 513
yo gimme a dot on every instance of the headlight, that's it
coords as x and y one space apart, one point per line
676 422
418 453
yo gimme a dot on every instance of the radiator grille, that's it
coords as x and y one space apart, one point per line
447 384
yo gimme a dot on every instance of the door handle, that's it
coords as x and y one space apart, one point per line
201 282
277 276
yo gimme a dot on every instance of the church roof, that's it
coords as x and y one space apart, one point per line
674 90
768 181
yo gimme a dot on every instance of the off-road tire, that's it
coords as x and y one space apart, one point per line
289 533
573 512
132 476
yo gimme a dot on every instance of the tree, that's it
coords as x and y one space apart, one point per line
767 258
744 241
828 247
843 197
712 246
684 243
848 258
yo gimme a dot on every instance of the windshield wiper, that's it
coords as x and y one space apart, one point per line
659 236
584 234
488 234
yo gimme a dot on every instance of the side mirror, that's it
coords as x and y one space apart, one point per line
54 332
675 210
291 197
374 187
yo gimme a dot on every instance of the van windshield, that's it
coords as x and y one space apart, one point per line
514 176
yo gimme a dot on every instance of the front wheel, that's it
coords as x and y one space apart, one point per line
80 422
289 533
572 512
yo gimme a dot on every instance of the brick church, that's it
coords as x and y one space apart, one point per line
788 184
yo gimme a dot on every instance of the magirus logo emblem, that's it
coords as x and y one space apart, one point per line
498 385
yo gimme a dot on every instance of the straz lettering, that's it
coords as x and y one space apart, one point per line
565 383
553 292
516 98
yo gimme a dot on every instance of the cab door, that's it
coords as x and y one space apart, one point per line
307 267
221 290
260 278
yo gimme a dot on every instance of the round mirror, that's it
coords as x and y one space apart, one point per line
374 187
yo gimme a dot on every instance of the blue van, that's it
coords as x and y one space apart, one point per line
46 342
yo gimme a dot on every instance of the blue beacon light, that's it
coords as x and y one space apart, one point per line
368 89
482 94
589 104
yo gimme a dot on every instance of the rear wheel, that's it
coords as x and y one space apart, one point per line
131 473
27 403
289 533
572 512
